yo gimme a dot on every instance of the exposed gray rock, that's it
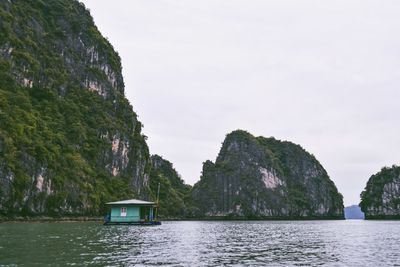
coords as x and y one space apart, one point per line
257 177
52 56
381 197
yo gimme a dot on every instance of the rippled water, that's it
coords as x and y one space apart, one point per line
203 243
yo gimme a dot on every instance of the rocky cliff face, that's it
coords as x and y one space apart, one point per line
69 140
174 192
257 177
381 197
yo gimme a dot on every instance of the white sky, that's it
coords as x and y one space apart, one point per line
323 74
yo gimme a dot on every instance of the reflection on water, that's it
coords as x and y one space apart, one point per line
350 243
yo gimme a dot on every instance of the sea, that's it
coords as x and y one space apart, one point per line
202 243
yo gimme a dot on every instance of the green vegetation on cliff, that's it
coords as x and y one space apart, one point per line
381 197
69 140
257 177
174 192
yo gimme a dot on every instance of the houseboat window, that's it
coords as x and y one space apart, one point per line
123 212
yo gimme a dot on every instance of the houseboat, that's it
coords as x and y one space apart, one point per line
132 211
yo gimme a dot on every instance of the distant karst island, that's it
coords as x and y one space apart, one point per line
353 212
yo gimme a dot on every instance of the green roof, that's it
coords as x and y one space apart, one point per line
131 201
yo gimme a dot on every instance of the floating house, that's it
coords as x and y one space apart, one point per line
132 211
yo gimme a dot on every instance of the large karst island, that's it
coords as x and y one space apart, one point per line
70 140
381 197
257 177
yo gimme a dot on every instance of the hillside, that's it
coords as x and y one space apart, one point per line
258 177
381 196
174 193
69 139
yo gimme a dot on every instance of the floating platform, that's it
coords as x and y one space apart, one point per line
133 223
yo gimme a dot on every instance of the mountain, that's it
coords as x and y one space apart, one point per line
174 192
258 177
353 212
381 197
69 139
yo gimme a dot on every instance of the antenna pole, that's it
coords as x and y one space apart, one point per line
158 196
158 192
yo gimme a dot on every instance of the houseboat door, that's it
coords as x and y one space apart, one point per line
144 213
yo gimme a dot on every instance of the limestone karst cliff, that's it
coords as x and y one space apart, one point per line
69 139
257 177
381 197
174 193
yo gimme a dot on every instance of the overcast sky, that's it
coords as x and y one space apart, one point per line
322 74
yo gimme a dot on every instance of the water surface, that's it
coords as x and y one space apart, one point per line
202 243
